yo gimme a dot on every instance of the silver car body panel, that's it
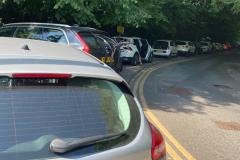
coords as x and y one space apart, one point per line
47 57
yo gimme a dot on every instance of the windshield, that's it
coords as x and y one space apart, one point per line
160 45
180 43
36 111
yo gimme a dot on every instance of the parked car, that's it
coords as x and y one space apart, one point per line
165 48
185 48
89 40
227 46
144 49
205 46
61 103
130 52
217 46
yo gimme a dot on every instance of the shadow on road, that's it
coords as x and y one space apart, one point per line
190 87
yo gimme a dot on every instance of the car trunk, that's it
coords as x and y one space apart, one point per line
34 111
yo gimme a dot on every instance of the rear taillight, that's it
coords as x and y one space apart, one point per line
41 75
85 46
158 146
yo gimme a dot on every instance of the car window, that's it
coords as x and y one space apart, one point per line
180 43
172 43
54 35
106 49
109 40
7 31
33 112
29 33
90 40
137 44
73 40
161 45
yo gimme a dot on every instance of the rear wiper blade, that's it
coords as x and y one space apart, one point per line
64 145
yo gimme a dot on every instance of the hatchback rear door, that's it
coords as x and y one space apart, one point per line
34 111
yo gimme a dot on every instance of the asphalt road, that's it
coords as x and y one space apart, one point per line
197 101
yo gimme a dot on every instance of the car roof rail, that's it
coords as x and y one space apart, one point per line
34 23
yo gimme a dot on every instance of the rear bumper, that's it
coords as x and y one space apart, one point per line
127 59
163 53
183 53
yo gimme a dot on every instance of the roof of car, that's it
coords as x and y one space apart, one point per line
123 37
164 40
64 26
33 56
37 24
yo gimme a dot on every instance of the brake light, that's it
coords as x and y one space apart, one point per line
41 75
85 46
158 150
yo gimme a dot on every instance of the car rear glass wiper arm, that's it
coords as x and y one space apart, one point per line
64 145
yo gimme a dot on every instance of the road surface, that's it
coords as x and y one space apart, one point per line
195 101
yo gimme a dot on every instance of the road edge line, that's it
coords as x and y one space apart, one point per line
139 89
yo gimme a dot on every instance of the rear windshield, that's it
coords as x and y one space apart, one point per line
73 40
181 43
29 33
33 112
160 45
7 31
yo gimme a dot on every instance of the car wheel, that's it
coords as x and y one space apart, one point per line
135 59
170 55
120 65
150 58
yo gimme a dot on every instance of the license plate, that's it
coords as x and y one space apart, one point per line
106 59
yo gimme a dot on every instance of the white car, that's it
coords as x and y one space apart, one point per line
185 48
217 46
144 48
130 52
165 48
205 46
61 103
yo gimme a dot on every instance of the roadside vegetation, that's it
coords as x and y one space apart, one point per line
152 19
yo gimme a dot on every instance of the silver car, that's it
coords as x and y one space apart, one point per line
58 104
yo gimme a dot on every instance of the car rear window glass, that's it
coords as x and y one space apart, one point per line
161 45
172 43
33 112
73 40
181 43
109 40
54 35
29 33
7 31
90 40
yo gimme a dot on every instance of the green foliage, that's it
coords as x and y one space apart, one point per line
176 19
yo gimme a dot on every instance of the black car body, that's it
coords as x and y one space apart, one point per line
95 42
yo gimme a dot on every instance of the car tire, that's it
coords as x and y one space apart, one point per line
150 58
170 55
119 66
135 59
